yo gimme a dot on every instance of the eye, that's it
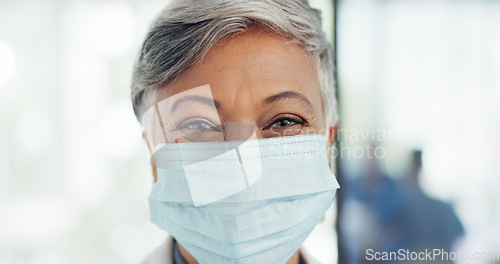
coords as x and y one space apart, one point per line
285 122
199 125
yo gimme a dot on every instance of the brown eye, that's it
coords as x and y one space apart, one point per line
284 126
285 122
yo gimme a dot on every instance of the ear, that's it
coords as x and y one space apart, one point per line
151 152
332 131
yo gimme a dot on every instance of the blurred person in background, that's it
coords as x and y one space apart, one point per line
238 107
372 198
398 215
421 222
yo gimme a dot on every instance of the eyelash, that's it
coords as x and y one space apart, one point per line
184 124
297 120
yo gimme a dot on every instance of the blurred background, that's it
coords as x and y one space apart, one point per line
419 89
419 96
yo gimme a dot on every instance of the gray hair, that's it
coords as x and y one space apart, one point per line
184 32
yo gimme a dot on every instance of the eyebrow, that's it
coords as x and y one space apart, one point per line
290 94
202 99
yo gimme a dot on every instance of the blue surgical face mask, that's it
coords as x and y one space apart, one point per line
253 201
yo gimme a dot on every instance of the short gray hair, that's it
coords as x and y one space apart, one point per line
185 31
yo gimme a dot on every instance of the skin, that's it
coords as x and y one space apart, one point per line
258 79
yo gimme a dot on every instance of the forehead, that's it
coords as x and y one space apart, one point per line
254 64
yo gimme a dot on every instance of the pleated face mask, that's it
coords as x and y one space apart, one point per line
252 201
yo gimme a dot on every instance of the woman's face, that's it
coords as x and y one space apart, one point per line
254 85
